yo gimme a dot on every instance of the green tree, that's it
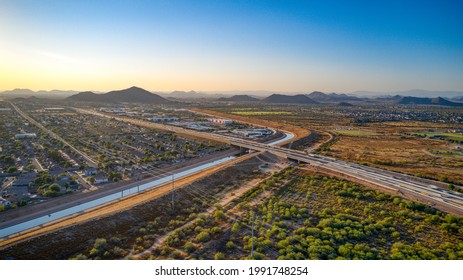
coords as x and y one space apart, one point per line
54 187
203 236
12 169
219 215
219 256
189 247
30 167
99 247
235 228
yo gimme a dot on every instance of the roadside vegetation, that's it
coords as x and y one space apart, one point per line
310 216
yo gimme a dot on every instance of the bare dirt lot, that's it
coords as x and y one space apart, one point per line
390 149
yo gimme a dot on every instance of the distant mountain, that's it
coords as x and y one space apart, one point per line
332 97
189 95
288 99
458 99
344 104
19 92
130 95
134 95
184 94
319 96
413 92
87 96
387 98
426 101
238 98
51 94
33 98
252 93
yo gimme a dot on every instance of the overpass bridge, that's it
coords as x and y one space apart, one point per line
389 180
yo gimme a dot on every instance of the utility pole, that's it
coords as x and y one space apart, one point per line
252 235
172 192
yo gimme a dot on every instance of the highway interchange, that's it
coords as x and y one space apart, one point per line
392 181
395 182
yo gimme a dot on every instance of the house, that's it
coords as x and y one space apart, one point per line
90 171
17 193
64 179
24 180
99 179
5 203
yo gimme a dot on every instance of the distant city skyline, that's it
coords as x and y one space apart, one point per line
285 46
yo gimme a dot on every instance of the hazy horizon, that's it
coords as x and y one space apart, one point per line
256 93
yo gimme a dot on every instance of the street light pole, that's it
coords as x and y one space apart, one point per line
172 192
252 235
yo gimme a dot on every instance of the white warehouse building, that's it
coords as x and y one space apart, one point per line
221 121
164 119
25 135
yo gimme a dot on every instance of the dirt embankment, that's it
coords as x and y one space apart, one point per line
299 132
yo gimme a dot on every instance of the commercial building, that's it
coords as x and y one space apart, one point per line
164 119
25 135
253 132
113 110
221 121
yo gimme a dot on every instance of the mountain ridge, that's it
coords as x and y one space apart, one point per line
239 98
128 95
288 99
332 97
411 100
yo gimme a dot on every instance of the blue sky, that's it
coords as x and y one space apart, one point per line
337 46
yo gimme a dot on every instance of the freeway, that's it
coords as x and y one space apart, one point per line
392 181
